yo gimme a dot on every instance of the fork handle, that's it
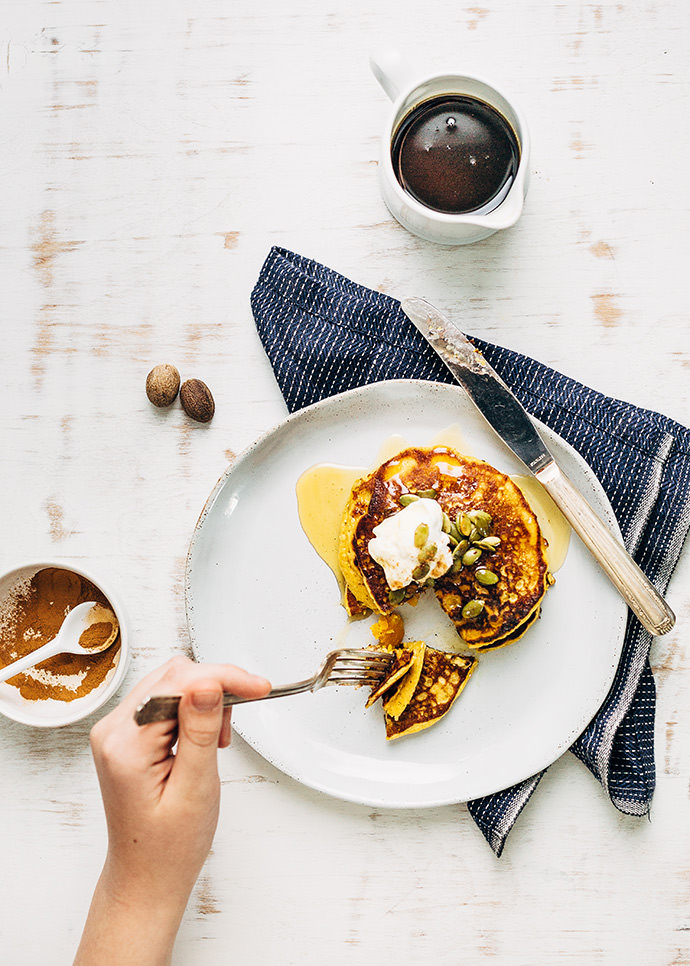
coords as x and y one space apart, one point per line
163 707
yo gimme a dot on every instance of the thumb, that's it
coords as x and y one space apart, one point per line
200 718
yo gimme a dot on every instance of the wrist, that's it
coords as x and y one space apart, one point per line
129 924
143 893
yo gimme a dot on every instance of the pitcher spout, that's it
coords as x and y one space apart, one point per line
507 213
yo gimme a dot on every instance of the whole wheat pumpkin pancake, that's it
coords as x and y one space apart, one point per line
401 663
422 688
442 678
498 576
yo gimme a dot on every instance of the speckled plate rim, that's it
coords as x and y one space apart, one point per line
271 743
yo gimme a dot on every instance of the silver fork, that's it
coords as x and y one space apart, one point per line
344 666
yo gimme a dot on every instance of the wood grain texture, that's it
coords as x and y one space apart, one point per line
151 154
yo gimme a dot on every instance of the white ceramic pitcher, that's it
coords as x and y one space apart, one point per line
407 90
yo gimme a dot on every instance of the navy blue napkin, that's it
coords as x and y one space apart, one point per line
324 334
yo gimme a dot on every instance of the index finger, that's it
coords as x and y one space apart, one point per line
179 673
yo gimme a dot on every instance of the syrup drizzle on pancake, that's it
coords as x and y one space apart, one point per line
553 524
322 493
324 489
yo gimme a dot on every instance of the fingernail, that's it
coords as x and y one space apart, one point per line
206 700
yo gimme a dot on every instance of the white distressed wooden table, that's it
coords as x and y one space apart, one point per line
151 153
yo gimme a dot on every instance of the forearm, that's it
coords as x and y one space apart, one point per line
161 808
125 927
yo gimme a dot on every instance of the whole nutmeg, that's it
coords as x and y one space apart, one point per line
162 384
197 400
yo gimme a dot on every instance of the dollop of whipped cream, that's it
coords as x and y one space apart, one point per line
394 547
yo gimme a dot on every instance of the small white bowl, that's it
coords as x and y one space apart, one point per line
49 713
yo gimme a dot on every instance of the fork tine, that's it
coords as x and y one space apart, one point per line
356 681
359 666
362 657
361 675
363 662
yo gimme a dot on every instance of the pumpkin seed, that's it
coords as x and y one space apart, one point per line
482 521
486 577
408 498
473 535
456 566
420 572
427 494
396 596
464 524
489 543
472 609
471 556
455 533
446 525
462 546
428 553
421 535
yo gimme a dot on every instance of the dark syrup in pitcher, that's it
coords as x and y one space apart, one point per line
456 154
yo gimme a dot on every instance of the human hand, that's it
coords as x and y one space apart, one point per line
161 809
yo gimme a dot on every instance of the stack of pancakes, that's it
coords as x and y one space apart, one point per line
492 593
466 489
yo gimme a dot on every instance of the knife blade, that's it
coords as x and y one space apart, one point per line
508 418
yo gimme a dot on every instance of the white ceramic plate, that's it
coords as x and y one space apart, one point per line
259 596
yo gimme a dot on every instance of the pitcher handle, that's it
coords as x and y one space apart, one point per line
391 70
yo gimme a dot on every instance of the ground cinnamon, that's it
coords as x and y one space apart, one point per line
31 617
94 637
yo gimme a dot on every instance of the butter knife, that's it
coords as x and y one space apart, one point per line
508 418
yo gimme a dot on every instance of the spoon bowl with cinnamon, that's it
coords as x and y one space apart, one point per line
88 628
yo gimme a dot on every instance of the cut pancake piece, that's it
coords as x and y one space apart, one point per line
395 703
443 676
399 666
